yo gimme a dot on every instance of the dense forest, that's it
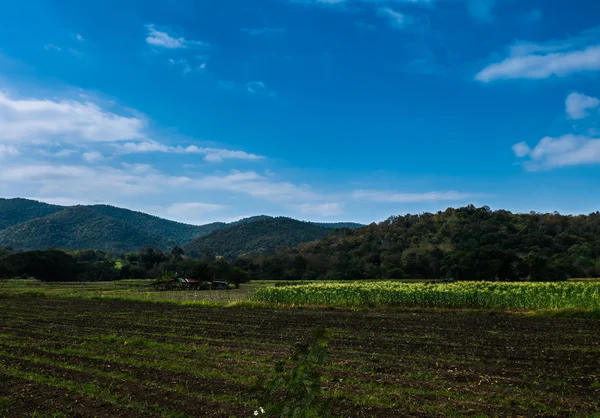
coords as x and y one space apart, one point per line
92 266
468 243
31 225
263 236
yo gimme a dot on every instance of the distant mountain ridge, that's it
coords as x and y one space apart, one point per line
28 224
263 236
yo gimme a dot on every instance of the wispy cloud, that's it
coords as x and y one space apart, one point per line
578 105
480 10
162 39
187 67
210 154
256 185
52 47
63 153
79 37
394 18
530 60
393 197
182 64
259 88
193 208
8 151
92 156
567 150
85 182
321 209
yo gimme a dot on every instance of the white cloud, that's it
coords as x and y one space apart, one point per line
256 185
521 149
558 64
193 208
182 63
85 182
210 154
481 10
321 209
218 155
392 197
577 105
567 150
8 151
524 48
59 154
396 19
138 147
139 168
79 37
255 87
164 40
137 180
45 120
92 157
52 47
535 60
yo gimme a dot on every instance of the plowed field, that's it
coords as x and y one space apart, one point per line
93 358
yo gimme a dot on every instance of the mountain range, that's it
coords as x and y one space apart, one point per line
28 224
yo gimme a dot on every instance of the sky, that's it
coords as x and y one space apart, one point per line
322 110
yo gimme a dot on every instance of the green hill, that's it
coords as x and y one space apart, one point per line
176 233
16 211
77 228
340 225
466 243
29 224
262 236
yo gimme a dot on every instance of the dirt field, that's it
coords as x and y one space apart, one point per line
92 358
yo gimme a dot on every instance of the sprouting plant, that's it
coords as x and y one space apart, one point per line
294 390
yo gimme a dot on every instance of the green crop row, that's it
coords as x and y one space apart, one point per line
470 295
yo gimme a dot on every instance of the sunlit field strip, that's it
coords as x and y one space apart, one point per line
469 295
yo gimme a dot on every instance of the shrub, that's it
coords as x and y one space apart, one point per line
295 390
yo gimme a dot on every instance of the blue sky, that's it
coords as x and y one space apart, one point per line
320 110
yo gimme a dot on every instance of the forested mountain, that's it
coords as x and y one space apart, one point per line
176 232
77 228
15 211
259 237
340 225
28 224
466 244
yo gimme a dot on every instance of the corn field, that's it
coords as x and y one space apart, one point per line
477 295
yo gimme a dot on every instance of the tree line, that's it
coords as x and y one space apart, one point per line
54 265
467 243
